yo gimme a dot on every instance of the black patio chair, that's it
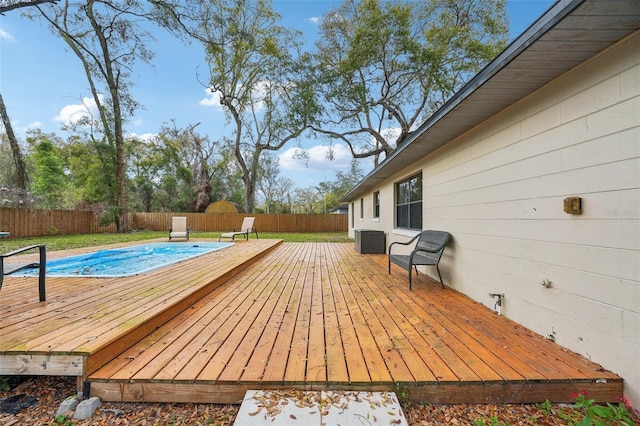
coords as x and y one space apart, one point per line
428 251
41 264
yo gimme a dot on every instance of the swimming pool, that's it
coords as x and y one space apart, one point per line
126 261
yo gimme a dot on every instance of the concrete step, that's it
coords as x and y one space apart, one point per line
316 408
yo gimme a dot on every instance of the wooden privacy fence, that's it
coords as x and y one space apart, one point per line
221 222
22 223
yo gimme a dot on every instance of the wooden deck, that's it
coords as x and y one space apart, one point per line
85 322
303 315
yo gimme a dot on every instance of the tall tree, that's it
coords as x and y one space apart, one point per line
268 179
21 176
283 189
92 171
49 179
308 201
226 178
384 67
107 41
196 153
258 74
146 163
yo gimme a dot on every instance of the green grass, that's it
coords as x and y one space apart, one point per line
66 242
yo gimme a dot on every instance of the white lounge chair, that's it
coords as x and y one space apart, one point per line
179 228
246 229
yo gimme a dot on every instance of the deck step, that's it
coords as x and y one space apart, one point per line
316 408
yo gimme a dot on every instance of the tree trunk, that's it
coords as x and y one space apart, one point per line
203 182
112 78
21 172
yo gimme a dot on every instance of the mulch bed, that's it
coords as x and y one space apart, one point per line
35 401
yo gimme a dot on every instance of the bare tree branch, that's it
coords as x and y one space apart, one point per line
6 6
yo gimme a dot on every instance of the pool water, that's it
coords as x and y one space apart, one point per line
126 261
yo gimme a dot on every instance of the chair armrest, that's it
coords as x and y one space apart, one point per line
403 244
437 249
23 249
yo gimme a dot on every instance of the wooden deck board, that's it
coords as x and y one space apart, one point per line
374 360
526 343
355 362
385 334
336 359
518 348
303 315
277 364
262 352
296 368
193 358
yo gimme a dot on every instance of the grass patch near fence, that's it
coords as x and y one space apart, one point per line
66 242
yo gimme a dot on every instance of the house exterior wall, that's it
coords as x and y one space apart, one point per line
499 190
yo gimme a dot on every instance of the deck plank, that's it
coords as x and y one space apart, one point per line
382 334
265 308
276 367
336 358
256 365
374 359
162 345
296 370
192 359
502 331
490 353
316 349
354 358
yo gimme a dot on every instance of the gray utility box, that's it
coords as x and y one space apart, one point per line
369 241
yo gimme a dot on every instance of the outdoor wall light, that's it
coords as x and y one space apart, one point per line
573 205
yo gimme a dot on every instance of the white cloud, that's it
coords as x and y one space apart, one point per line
144 137
259 92
391 135
314 20
5 35
211 99
34 125
74 113
316 158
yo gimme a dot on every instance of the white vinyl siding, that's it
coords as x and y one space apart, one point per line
499 190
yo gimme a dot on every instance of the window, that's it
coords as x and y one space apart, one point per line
361 208
409 203
376 204
353 216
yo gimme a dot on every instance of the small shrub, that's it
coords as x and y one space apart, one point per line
602 415
62 420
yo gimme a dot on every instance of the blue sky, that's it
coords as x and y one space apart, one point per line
43 84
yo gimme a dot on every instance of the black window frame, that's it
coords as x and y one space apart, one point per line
376 205
353 215
408 203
